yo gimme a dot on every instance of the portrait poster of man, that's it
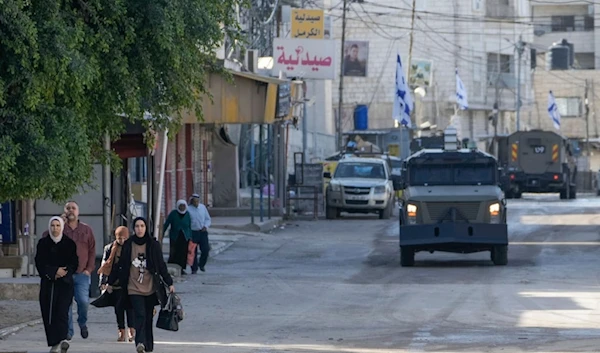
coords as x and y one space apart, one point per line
356 58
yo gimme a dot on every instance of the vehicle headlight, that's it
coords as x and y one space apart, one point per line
336 187
494 213
411 212
380 189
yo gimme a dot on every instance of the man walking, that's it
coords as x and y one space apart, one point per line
200 225
83 236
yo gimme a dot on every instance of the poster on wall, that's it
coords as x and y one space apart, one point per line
356 58
420 73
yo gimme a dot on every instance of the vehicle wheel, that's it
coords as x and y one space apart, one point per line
598 193
331 212
508 194
518 195
407 256
386 213
499 255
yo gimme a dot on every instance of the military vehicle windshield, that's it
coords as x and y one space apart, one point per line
452 174
360 170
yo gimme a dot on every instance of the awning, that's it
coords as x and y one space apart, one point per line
248 99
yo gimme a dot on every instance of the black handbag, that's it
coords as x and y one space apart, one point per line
171 314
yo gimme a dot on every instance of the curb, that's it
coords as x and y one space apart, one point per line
12 329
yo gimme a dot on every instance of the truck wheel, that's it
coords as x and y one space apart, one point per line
331 213
407 256
386 213
499 255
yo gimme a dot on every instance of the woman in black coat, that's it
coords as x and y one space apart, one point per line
142 271
56 261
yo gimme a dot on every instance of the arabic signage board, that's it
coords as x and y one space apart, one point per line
304 58
309 24
420 73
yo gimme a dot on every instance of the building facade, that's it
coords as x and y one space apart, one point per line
478 38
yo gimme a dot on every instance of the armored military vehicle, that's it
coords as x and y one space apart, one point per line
452 203
540 162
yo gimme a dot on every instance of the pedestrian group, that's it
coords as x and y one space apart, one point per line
133 275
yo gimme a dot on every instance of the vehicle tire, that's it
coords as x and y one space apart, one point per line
598 193
518 195
331 212
386 213
563 194
499 255
407 256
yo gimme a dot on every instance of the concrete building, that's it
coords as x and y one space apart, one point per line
573 21
476 37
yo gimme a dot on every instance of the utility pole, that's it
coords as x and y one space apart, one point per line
304 115
520 50
496 112
587 121
341 97
404 152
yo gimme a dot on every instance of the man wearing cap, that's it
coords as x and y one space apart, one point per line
200 224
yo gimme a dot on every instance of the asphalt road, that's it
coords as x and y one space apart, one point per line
337 286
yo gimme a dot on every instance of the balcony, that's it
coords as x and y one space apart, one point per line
500 9
562 24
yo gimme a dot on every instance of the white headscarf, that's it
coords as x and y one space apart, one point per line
179 203
62 227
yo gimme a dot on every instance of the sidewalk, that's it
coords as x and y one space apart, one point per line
244 224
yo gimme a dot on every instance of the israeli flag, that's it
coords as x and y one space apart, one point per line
461 93
553 111
403 103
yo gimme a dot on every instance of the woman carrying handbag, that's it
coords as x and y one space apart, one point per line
143 272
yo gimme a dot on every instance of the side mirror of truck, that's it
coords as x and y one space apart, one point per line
327 175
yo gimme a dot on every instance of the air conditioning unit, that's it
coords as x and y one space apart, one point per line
251 60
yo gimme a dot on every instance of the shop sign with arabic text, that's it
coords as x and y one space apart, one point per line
304 58
308 24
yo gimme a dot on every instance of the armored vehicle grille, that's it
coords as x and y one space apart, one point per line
437 210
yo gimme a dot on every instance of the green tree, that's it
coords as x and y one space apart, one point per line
71 70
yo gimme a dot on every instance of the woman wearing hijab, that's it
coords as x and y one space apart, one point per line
110 261
143 273
56 261
180 234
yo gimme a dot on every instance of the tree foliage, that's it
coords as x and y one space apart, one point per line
70 71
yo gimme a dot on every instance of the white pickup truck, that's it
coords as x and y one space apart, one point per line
361 185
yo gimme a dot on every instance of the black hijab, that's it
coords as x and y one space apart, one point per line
143 240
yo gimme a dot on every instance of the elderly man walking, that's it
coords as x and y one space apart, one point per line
200 225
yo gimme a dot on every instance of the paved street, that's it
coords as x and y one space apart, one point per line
337 286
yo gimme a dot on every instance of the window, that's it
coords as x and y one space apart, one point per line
506 69
585 61
588 23
452 174
360 170
563 23
569 106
